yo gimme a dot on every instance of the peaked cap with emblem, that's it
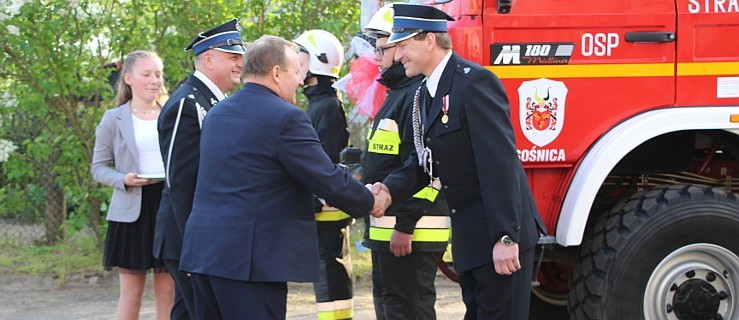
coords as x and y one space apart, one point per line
412 19
225 37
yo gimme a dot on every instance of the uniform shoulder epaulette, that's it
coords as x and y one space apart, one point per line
189 97
466 69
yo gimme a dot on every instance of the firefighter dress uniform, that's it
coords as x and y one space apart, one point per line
407 282
463 135
179 140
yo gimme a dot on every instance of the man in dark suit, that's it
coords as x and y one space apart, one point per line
253 226
218 57
407 241
463 134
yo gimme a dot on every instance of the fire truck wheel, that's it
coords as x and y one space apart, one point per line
553 280
665 253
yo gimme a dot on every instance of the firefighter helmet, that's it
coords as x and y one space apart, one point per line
381 23
326 52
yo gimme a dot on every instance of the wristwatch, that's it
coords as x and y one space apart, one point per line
506 240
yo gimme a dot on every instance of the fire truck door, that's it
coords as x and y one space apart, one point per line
609 61
707 52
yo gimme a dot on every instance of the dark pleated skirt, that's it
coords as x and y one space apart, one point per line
129 245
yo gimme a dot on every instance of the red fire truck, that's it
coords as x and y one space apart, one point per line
627 122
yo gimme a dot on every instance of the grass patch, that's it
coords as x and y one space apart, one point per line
76 256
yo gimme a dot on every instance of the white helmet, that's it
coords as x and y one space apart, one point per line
381 22
326 52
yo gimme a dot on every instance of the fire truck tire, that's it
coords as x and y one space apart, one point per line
665 253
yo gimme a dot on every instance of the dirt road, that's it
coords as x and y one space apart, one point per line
40 298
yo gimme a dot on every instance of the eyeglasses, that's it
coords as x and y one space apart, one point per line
381 50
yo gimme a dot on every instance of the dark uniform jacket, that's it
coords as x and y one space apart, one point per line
386 150
179 140
474 154
327 116
252 217
326 113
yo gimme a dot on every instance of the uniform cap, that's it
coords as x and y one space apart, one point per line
412 19
225 37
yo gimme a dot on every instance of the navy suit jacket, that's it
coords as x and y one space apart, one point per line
475 157
253 216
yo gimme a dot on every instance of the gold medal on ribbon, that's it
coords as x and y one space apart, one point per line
445 109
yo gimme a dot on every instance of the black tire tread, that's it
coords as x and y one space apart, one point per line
612 231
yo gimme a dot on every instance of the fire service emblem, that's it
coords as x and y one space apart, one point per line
542 109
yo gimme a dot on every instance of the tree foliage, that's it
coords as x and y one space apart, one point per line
54 84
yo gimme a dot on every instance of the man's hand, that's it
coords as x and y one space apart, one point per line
400 243
377 187
505 258
382 199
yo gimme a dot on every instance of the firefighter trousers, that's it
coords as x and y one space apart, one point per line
334 288
408 290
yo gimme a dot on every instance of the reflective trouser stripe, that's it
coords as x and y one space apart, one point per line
335 315
426 222
421 235
339 309
332 216
427 193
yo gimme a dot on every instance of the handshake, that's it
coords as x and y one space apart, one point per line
382 198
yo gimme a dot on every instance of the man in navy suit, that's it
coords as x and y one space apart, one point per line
252 226
463 135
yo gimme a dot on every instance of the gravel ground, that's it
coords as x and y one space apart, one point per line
95 297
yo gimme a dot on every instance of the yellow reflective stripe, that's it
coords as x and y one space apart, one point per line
335 315
334 310
610 70
585 70
384 142
420 235
426 222
332 216
707 68
427 193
